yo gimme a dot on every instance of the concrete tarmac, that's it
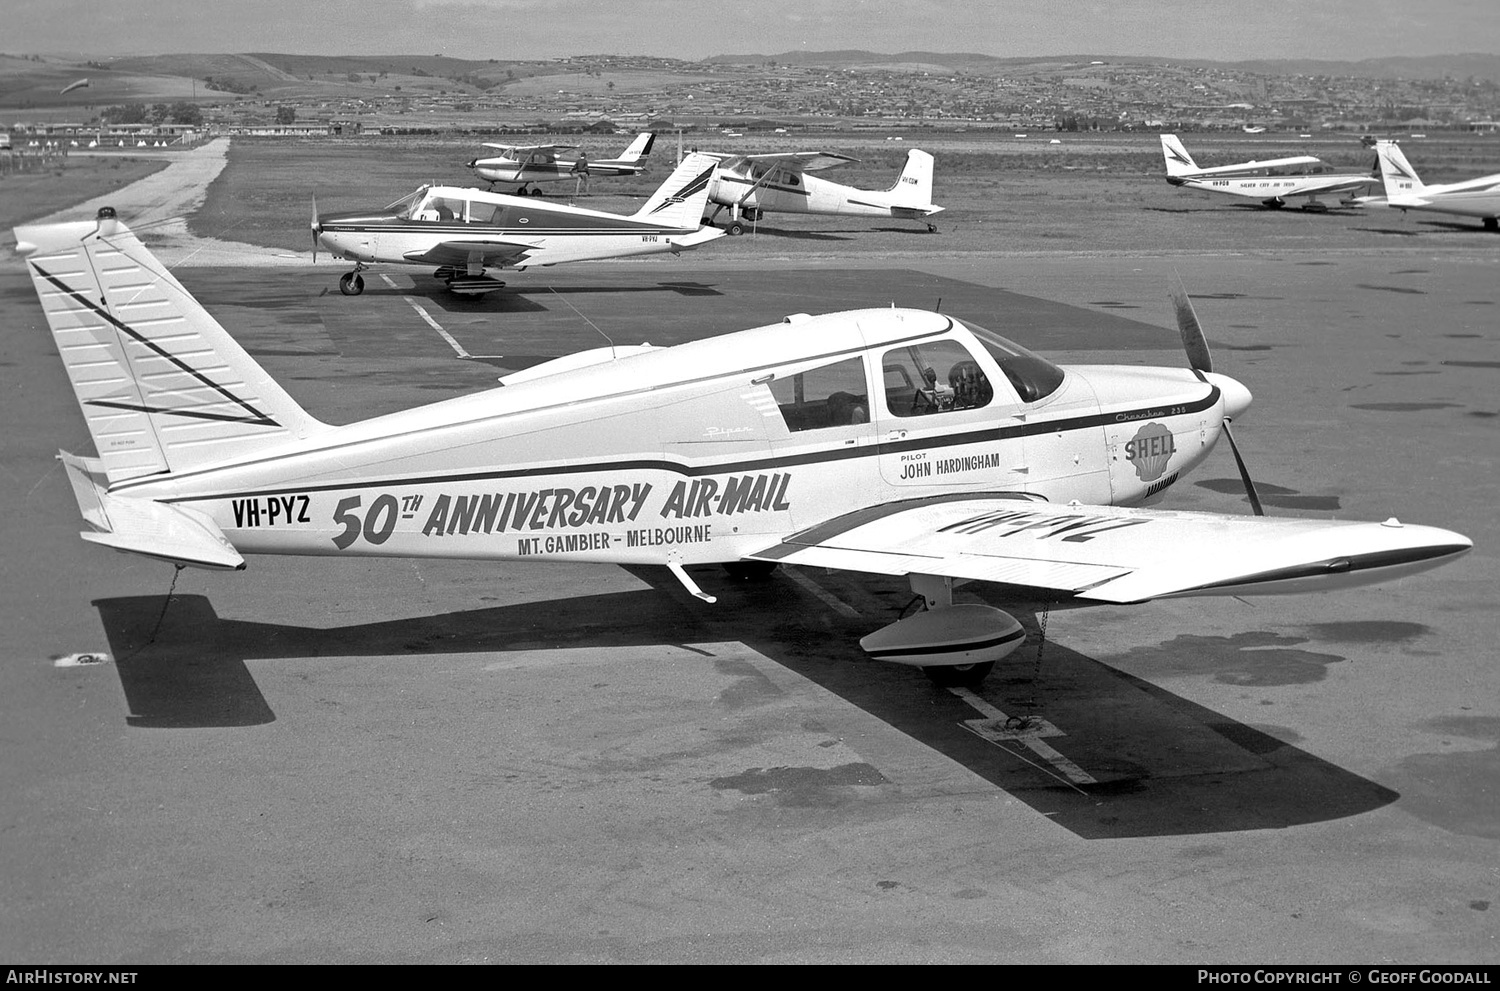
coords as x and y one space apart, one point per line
426 761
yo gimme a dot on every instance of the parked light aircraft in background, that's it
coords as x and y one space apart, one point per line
752 185
1404 190
466 231
529 164
890 441
1271 182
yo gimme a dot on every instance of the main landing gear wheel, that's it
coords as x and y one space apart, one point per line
959 675
735 228
351 284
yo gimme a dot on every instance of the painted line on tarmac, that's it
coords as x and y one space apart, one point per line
457 347
821 594
998 728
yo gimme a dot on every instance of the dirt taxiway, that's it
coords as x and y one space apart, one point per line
382 761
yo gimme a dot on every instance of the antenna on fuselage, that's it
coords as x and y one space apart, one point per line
939 307
553 290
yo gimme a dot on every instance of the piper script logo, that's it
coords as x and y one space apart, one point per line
1150 450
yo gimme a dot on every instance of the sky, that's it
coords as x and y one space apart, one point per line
1345 30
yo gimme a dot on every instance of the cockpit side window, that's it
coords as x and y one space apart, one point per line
1033 376
831 396
933 377
441 208
402 207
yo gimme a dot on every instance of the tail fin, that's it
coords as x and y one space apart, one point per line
1179 162
1396 172
679 201
913 187
639 148
162 386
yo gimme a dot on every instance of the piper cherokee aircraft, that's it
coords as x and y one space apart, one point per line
465 231
890 441
1271 182
528 164
753 185
1404 190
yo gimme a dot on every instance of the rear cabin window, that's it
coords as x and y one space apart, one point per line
934 377
831 396
483 213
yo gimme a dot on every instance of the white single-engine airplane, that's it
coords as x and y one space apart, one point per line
1404 190
891 441
530 164
1271 182
753 185
465 231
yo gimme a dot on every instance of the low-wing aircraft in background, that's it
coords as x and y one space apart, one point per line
530 164
890 441
1271 182
1404 190
750 186
466 231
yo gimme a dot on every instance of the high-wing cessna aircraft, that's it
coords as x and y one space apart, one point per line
753 185
465 231
1271 182
892 441
529 164
1404 190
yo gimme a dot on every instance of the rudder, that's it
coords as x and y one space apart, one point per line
913 187
162 386
679 201
1396 173
1179 162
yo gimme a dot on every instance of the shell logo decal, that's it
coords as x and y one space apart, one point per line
1149 450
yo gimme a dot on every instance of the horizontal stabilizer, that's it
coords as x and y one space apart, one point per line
142 526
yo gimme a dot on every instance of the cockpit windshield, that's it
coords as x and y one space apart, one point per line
403 207
1033 376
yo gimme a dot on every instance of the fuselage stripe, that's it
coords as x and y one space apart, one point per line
769 462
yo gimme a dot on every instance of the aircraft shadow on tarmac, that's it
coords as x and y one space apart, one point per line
1161 765
1432 227
517 297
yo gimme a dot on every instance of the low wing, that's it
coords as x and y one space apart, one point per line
1113 554
794 161
1336 184
487 251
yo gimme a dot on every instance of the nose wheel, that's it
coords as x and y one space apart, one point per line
352 283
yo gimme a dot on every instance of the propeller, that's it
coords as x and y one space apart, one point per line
317 228
1202 363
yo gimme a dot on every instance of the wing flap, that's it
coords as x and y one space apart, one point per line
1113 554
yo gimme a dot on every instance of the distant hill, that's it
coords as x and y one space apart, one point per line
1476 64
